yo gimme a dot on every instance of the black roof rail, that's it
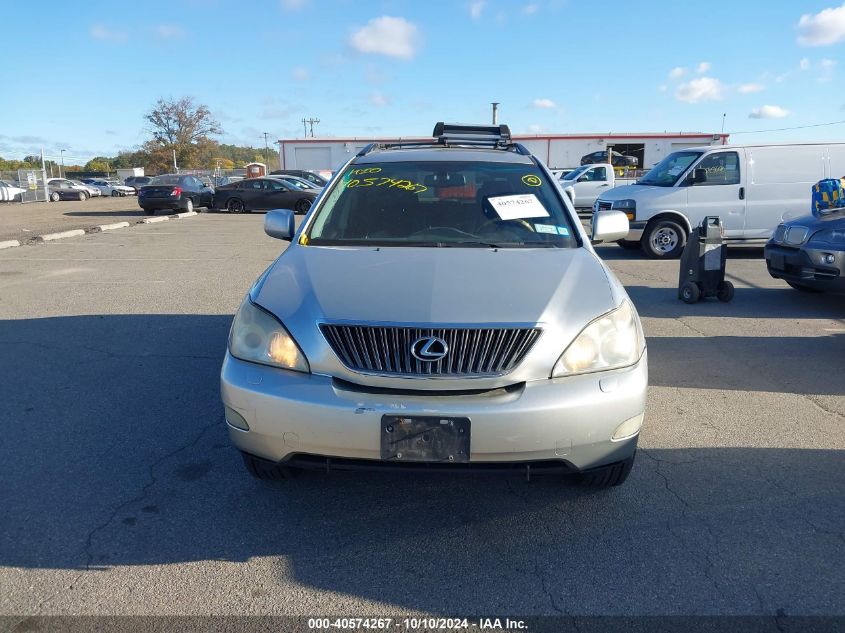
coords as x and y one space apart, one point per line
452 134
462 130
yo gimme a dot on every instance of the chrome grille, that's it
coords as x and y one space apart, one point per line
472 351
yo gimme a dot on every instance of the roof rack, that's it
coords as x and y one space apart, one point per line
458 134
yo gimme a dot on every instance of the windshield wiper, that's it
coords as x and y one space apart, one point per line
482 244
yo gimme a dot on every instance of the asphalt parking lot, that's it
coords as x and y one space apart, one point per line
122 495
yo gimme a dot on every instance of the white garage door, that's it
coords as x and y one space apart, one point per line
313 158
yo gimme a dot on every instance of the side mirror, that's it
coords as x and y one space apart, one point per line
697 176
609 226
280 223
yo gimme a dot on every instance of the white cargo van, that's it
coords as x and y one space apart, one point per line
752 188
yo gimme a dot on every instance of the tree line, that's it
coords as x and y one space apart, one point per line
179 125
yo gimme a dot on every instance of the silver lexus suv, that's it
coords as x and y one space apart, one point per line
440 307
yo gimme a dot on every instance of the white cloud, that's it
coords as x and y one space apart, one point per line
100 32
700 89
379 100
822 29
677 72
300 74
702 68
768 112
386 35
749 88
292 5
827 64
804 64
476 8
544 103
169 32
531 8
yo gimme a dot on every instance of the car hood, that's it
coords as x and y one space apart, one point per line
622 192
561 289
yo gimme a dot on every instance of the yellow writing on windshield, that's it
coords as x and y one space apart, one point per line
381 181
531 180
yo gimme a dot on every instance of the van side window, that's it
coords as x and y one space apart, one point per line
722 168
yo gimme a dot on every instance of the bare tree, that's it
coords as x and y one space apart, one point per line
179 123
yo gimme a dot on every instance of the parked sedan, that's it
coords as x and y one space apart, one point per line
297 183
618 160
310 176
65 183
808 253
255 194
113 188
175 191
62 190
9 192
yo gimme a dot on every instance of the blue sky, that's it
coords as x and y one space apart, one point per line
395 67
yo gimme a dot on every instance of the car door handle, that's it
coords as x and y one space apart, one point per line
742 193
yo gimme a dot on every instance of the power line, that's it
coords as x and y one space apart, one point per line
784 129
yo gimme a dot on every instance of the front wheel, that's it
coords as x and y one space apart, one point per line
82 196
115 193
302 206
235 206
690 292
664 239
608 476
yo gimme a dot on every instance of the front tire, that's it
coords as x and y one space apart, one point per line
302 206
115 193
608 476
690 292
82 196
235 205
664 239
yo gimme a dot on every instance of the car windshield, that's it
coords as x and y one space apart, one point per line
445 204
667 171
167 179
574 174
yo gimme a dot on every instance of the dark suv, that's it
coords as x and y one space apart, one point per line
175 191
136 182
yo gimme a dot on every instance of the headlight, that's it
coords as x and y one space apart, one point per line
257 337
610 342
622 205
829 236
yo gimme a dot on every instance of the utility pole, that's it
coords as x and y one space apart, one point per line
495 105
266 150
44 177
62 169
310 122
175 168
723 122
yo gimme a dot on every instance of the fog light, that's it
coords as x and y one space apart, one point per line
628 428
236 419
829 259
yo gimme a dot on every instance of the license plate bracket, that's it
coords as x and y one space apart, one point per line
425 439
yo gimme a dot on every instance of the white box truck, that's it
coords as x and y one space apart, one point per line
123 174
752 188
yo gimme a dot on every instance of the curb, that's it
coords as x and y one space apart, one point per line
109 227
49 237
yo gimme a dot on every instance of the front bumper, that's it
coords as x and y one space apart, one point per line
807 266
570 420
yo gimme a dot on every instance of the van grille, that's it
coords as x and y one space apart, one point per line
472 352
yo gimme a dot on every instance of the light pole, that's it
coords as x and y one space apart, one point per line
266 150
62 169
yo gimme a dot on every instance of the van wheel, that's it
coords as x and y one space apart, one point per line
267 470
629 245
608 476
664 239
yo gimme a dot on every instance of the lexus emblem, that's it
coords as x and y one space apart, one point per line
429 349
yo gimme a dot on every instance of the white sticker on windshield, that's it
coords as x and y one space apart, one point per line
545 228
675 171
524 205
